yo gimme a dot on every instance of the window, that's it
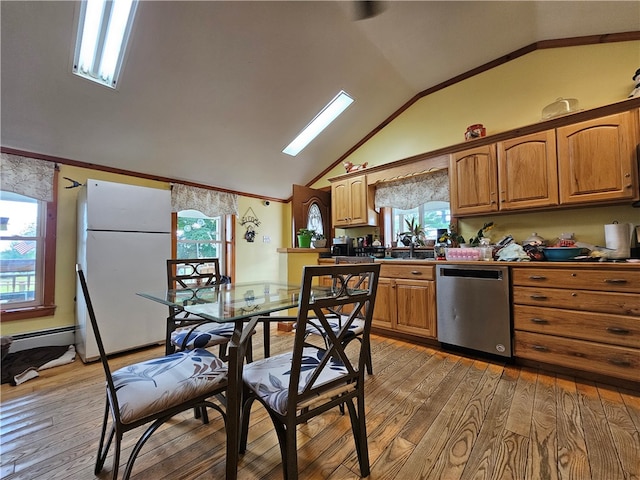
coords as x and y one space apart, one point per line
22 246
199 236
431 215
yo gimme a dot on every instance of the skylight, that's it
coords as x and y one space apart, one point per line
321 121
103 31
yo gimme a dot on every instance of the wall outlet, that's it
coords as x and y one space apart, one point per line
266 239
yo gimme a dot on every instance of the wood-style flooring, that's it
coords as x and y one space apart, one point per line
430 415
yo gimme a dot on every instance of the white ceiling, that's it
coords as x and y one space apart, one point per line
212 91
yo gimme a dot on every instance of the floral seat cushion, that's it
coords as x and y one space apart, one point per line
206 335
356 328
149 387
269 377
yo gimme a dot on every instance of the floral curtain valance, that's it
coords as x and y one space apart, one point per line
27 176
414 191
210 202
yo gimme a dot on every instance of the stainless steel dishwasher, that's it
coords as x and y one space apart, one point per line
473 307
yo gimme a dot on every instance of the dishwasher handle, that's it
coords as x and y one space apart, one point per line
488 274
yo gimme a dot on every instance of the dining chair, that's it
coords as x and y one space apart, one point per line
356 330
153 391
307 381
185 332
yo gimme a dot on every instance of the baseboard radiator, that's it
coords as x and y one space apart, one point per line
43 338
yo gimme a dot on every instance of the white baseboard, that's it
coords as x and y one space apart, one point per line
45 338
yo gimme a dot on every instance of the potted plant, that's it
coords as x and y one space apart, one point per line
414 235
481 237
318 240
452 237
304 237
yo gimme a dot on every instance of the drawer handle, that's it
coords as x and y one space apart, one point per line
416 272
619 362
540 321
616 281
540 348
539 297
618 330
537 277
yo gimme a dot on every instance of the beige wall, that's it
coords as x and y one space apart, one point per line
506 97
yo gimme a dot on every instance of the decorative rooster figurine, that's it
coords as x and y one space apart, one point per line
350 167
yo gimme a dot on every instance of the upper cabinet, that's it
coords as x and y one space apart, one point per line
589 162
473 181
597 159
527 172
352 203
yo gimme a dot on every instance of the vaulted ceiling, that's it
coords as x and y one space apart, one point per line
212 91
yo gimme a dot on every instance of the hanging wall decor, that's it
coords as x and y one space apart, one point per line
250 221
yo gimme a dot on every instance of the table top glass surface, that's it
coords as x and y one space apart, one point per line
229 302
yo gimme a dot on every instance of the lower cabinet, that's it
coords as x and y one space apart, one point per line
406 300
584 319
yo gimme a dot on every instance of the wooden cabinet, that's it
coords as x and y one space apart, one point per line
405 300
583 163
473 181
585 318
352 203
597 159
527 171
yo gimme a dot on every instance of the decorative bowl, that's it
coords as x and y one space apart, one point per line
559 254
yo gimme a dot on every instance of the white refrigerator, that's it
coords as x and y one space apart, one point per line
124 241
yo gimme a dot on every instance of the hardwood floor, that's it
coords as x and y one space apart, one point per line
430 415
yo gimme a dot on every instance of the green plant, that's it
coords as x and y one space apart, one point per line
305 232
415 233
452 236
474 241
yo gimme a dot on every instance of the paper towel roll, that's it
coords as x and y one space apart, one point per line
618 237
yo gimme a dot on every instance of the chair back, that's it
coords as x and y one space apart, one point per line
96 332
354 291
193 272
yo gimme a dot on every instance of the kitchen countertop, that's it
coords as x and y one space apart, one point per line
545 264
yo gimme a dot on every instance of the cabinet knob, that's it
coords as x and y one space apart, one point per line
574 294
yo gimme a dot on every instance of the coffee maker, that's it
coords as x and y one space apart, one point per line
343 247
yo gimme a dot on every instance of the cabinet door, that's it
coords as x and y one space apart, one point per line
527 171
473 180
597 160
384 307
340 207
415 303
358 200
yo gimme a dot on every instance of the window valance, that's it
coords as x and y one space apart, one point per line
413 191
27 176
210 202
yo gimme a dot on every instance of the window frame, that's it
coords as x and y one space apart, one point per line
421 214
47 305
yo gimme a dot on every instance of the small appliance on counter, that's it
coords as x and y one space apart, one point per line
342 246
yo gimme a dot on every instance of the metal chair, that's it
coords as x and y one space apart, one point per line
356 331
153 391
295 386
185 332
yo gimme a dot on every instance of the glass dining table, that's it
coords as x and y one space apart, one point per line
243 304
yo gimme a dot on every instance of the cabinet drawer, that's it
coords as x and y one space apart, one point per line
418 272
621 362
599 327
605 280
574 299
